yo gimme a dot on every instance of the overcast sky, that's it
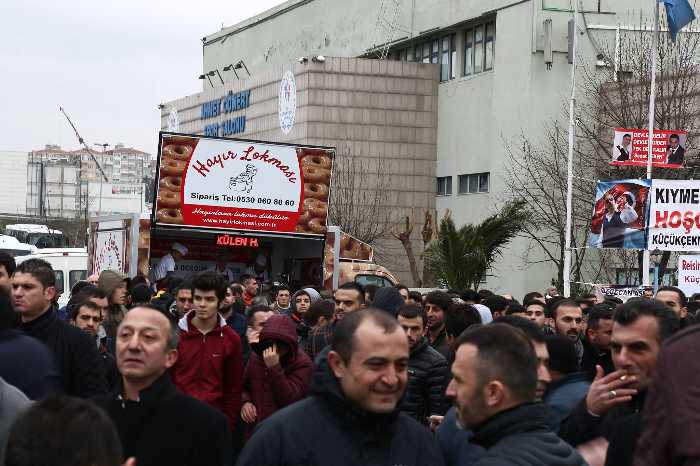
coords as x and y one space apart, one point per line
108 63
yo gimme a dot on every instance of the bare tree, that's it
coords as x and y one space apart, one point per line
359 198
538 176
620 98
404 236
608 98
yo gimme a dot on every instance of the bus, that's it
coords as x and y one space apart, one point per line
39 236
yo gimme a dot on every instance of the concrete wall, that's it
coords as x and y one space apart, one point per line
367 109
13 179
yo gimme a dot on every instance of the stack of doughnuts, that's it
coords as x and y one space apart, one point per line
350 248
174 156
316 171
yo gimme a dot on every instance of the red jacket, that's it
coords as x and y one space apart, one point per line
210 367
271 389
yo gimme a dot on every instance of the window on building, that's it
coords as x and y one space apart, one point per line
473 183
435 54
479 48
426 52
444 186
447 58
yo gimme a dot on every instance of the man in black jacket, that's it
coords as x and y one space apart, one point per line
77 359
494 385
611 412
596 341
427 369
351 415
157 424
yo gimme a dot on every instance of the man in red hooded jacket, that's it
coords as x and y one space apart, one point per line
210 362
278 372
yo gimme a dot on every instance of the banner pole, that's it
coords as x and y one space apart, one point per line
570 160
652 104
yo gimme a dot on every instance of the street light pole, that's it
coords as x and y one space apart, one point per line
104 150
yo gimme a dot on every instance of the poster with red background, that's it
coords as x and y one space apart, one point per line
242 185
631 148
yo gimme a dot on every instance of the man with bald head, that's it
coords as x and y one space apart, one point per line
147 409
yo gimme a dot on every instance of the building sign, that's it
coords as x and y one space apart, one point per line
631 147
237 241
647 214
287 102
689 274
242 185
624 292
225 105
674 220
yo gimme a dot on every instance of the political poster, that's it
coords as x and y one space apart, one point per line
216 183
624 292
689 274
620 214
631 147
674 217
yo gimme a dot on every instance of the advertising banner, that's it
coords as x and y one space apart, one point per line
689 274
620 214
216 183
624 292
674 217
110 247
630 147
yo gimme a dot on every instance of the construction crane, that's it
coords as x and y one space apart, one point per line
87 148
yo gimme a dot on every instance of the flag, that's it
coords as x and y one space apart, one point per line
679 13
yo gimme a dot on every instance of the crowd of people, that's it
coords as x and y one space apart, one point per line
208 371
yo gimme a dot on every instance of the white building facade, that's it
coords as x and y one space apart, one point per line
504 71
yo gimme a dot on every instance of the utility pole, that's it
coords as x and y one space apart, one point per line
104 151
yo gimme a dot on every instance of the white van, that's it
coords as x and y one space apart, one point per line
69 265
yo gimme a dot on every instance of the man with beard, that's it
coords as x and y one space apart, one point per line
436 304
675 299
351 416
427 369
596 343
454 442
494 387
349 297
608 420
568 322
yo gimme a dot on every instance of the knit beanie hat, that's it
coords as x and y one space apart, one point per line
109 281
388 299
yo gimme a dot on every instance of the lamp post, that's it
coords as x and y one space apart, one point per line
104 147
655 257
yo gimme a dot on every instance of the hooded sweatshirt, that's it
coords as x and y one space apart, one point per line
209 366
272 388
108 282
298 319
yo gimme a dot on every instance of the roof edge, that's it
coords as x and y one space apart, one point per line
252 21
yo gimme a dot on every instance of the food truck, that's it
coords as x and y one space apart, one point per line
240 206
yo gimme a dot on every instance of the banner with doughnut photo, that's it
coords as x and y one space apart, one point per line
234 184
